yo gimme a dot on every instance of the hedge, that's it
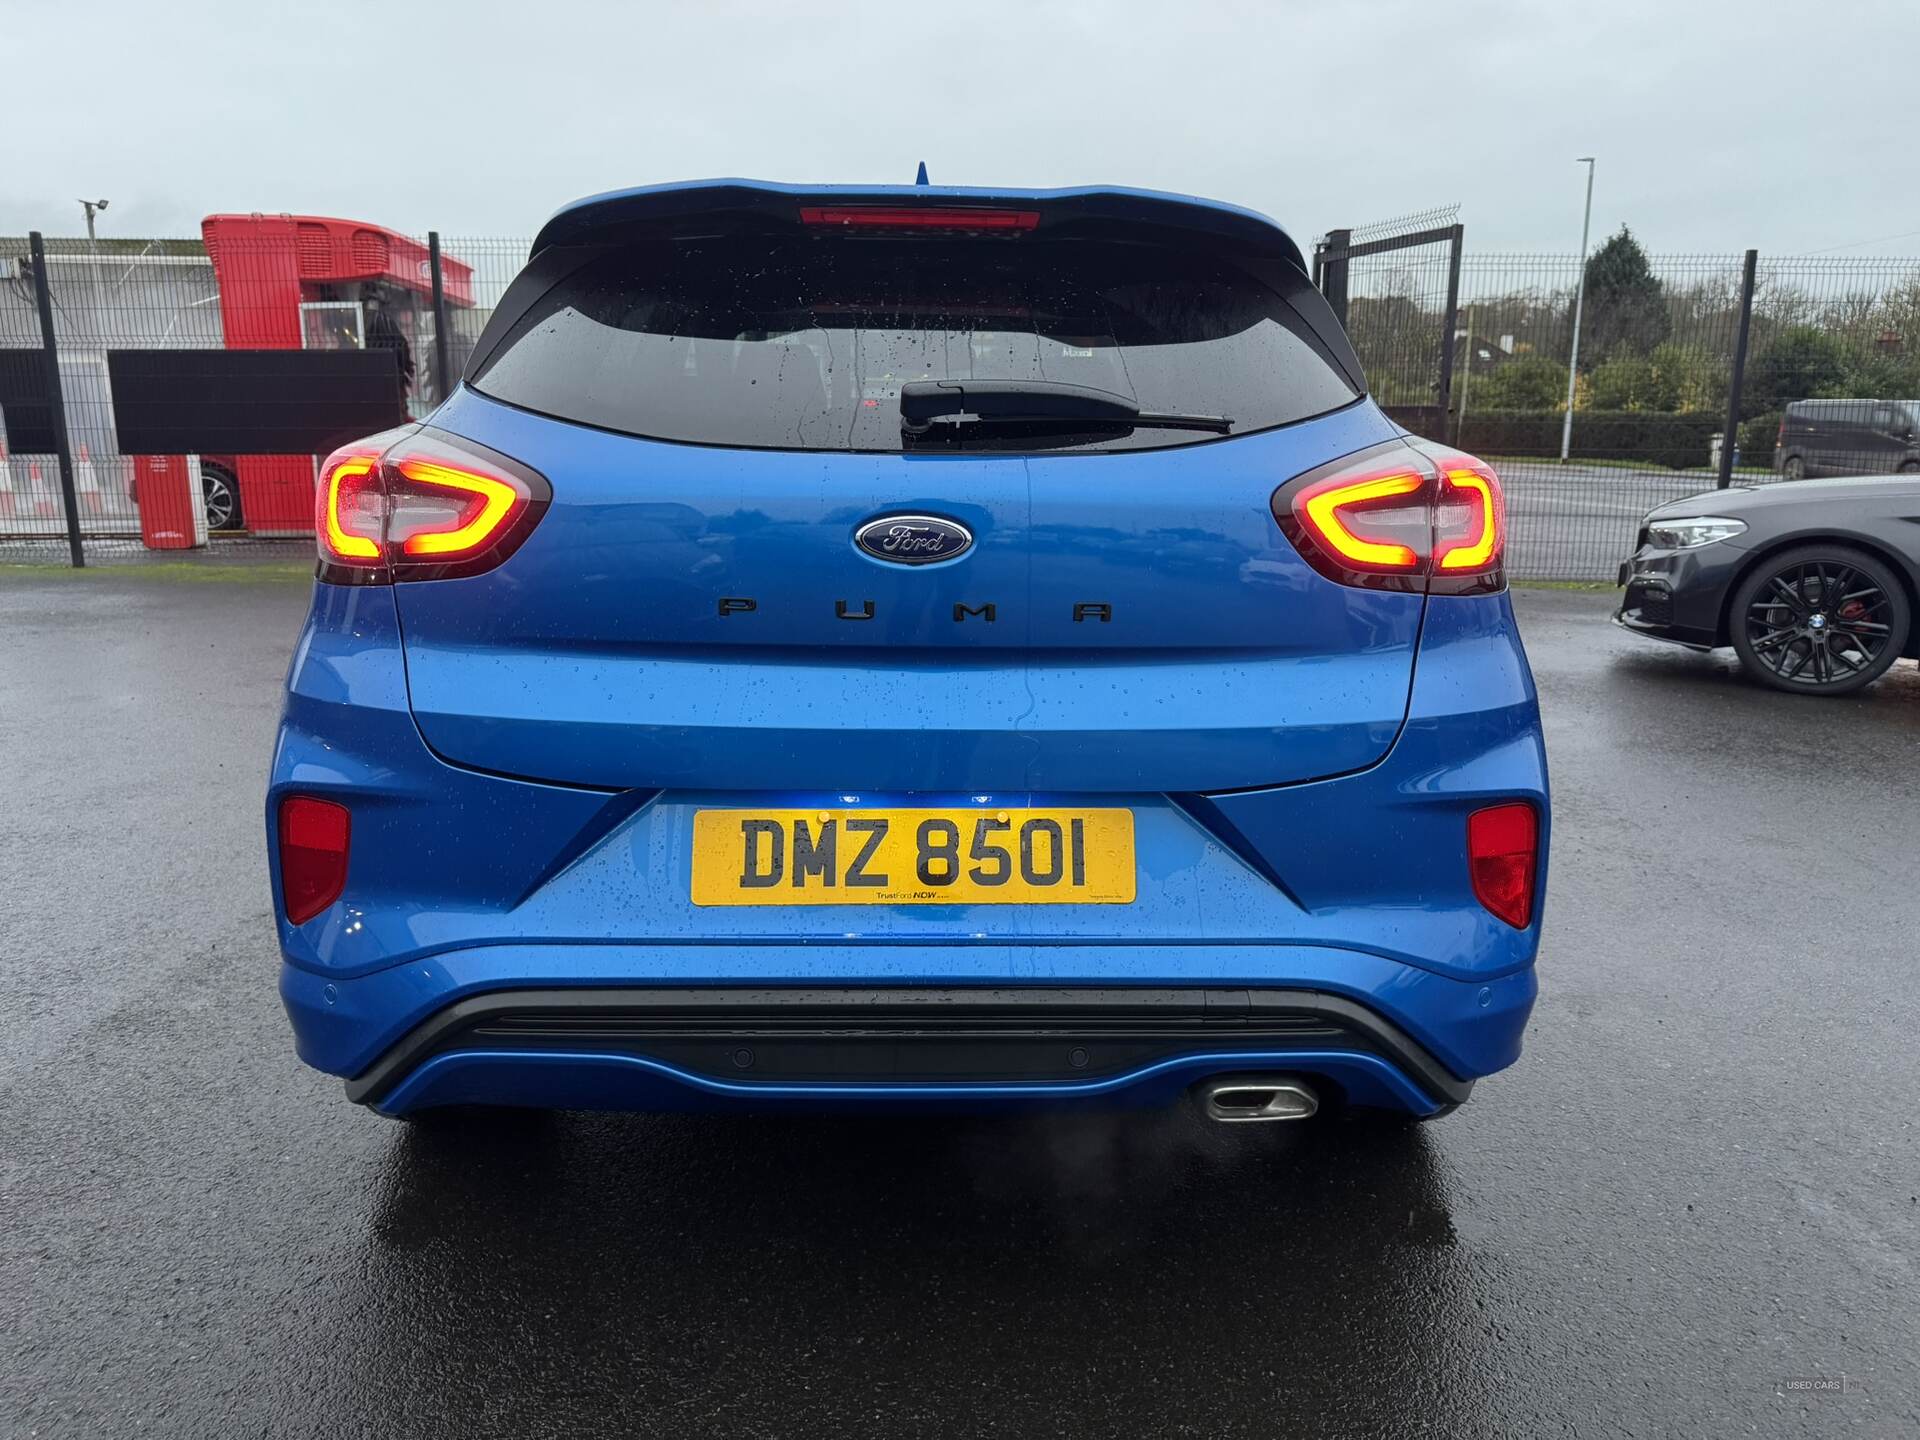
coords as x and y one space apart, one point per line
1757 438
1427 420
1650 437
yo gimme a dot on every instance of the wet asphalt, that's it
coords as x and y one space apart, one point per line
1701 1182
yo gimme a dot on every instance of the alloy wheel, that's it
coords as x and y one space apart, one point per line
1820 623
217 491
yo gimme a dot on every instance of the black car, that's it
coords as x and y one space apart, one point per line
1813 583
1848 437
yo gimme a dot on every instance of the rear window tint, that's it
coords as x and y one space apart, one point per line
803 342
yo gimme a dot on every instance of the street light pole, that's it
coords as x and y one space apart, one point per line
1579 303
90 206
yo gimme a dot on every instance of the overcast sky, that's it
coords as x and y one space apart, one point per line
1718 124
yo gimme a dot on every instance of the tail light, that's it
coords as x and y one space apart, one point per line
1469 518
313 855
1401 516
428 508
1502 845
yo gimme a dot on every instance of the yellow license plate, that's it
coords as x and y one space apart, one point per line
913 857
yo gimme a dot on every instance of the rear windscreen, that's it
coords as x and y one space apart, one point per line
803 342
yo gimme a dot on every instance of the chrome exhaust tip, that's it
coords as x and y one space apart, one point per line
1247 1098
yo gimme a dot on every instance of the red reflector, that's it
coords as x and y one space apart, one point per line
1502 843
313 855
951 217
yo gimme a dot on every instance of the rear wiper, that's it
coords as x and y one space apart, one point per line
961 403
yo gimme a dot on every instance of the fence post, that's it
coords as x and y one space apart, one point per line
1730 438
1333 272
43 289
443 385
1446 331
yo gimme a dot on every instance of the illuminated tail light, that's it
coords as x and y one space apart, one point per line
1470 519
918 217
1402 516
447 511
313 855
1378 524
352 509
427 509
1503 843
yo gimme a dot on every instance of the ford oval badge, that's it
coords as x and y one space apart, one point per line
913 539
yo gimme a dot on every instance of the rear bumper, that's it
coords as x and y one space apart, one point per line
906 1044
586 1080
574 1027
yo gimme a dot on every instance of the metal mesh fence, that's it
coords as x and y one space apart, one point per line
1396 318
1391 284
495 260
248 288
1470 348
1833 382
1649 397
1658 341
157 293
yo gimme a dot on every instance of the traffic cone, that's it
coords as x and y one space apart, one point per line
86 485
43 508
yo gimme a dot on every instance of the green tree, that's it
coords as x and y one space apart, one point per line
1626 306
1886 376
1623 382
1686 377
1800 363
1530 382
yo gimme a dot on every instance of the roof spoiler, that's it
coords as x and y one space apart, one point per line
588 227
602 218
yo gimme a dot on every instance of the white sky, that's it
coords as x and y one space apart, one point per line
1718 124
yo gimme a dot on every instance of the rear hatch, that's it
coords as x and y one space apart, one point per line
713 392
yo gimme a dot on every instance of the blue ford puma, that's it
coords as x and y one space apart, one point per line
909 647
